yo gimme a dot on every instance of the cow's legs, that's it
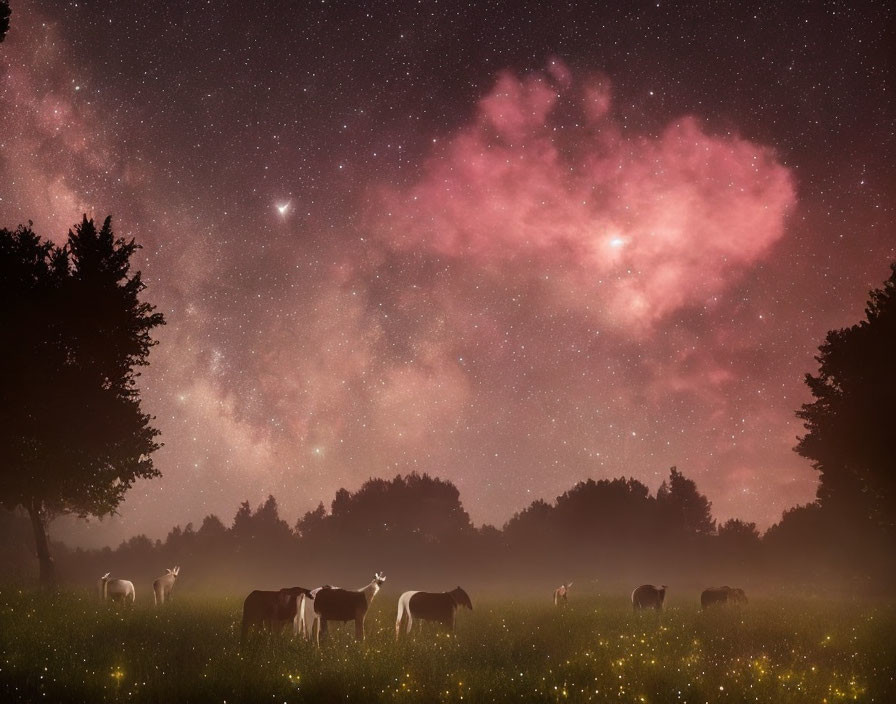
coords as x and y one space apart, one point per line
359 627
410 621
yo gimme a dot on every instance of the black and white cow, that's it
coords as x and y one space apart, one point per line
334 604
431 606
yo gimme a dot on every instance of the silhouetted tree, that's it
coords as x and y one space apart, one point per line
533 526
180 543
737 532
269 526
415 503
5 13
621 507
72 436
311 523
262 532
212 530
800 543
242 519
851 440
138 549
739 539
683 506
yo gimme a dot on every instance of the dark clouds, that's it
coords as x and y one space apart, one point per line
598 243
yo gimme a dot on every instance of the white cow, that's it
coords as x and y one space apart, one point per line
561 594
161 587
117 589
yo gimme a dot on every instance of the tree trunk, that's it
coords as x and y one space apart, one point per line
42 543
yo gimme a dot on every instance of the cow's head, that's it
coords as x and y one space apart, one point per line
461 598
379 579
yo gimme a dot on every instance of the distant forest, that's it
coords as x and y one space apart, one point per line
605 534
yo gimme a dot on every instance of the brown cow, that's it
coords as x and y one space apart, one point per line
648 596
271 610
722 595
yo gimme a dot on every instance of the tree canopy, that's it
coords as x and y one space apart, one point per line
683 506
72 432
411 504
850 438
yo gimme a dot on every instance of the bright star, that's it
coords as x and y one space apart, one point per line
283 208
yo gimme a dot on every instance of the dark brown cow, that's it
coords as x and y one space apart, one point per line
334 604
431 606
271 610
648 596
722 595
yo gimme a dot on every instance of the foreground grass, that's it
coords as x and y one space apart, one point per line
68 647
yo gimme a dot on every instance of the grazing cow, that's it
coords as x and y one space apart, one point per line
560 594
271 610
648 596
429 606
722 595
161 587
334 604
116 589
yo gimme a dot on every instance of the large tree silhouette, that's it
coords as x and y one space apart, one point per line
683 507
73 438
850 435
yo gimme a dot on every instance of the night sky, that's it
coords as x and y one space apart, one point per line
514 245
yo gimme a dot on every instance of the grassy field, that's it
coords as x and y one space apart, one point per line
68 647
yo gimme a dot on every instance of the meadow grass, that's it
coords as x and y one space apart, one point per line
69 647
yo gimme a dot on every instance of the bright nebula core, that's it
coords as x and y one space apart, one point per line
520 249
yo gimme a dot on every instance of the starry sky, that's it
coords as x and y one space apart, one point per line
514 245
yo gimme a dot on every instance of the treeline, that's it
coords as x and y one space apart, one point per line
608 534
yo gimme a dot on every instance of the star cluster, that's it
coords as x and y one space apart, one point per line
511 245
